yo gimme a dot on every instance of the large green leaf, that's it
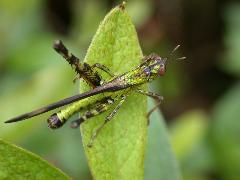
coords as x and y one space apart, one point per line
118 151
226 133
160 161
230 56
17 163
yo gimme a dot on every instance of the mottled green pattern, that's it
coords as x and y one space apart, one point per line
16 163
118 152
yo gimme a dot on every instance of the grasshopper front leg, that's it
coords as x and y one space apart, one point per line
103 68
155 96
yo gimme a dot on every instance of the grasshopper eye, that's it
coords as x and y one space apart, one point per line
161 70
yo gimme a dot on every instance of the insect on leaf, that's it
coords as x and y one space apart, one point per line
118 151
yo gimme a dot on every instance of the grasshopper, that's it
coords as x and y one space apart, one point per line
117 89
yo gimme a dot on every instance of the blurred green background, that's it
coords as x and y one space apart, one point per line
202 93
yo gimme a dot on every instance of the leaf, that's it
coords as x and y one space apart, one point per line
160 161
230 56
225 134
189 134
188 131
17 163
118 151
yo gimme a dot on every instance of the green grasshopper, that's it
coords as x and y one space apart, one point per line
115 90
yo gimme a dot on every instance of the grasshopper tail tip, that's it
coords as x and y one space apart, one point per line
16 119
9 121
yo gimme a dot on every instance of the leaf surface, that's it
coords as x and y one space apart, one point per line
160 162
17 163
118 151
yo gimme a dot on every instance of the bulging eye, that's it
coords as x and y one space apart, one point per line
161 70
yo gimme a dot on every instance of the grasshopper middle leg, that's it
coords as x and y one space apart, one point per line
107 119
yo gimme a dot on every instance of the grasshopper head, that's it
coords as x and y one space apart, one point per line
154 66
157 64
161 66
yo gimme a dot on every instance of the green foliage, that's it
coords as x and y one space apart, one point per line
118 151
160 161
189 129
205 142
189 138
225 133
230 59
16 163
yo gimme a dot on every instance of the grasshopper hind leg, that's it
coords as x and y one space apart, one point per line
93 111
83 69
57 120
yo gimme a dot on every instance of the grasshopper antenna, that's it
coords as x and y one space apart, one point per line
171 54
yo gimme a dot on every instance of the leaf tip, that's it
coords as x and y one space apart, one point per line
122 6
